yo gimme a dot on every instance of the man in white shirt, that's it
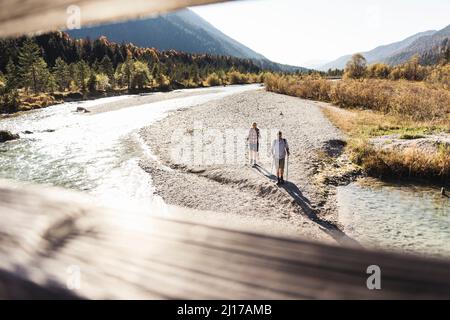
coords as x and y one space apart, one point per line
280 149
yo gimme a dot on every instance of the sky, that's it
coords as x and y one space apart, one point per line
310 32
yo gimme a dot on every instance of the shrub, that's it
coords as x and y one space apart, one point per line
407 163
213 80
9 101
2 82
235 77
378 71
408 100
163 82
102 82
440 75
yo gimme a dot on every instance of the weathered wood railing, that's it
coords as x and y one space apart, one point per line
59 244
18 17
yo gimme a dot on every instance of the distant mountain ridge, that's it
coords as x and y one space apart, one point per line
423 46
183 31
398 52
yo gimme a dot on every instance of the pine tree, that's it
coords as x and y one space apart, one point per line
62 74
96 66
195 75
50 83
12 75
127 71
107 68
73 84
118 76
32 67
155 71
83 73
92 82
9 100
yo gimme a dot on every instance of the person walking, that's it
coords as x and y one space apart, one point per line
253 141
280 150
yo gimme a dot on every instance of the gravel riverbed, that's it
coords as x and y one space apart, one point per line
305 206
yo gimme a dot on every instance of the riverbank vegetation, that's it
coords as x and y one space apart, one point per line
47 69
406 103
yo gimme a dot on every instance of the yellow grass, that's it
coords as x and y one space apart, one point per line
409 162
417 101
374 108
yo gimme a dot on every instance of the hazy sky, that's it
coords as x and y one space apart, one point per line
300 32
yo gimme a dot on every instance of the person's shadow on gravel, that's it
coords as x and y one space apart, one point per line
312 214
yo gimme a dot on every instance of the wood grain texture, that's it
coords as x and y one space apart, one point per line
45 232
18 17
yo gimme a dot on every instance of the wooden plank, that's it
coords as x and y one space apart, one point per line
46 232
35 16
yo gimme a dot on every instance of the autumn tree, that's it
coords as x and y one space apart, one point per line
413 70
141 76
356 67
102 82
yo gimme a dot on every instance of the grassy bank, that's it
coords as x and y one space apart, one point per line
373 108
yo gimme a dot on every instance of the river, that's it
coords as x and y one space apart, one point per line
95 153
396 216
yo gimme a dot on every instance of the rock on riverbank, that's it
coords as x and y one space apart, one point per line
8 136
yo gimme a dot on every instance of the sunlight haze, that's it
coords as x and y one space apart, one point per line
307 33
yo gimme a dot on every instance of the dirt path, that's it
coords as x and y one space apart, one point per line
306 203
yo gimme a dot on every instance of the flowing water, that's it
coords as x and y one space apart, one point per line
396 216
96 153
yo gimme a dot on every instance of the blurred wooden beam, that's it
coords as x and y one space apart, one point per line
59 244
19 17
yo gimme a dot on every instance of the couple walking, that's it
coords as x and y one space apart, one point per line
279 151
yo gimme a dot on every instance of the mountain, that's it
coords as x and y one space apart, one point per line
423 44
182 31
428 47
